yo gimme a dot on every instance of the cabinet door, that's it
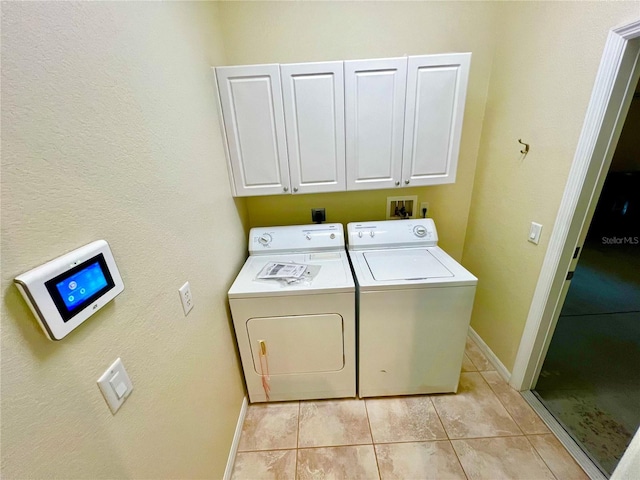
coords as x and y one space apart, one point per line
251 101
313 95
436 91
374 111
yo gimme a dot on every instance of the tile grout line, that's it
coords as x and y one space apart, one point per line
373 444
502 403
542 458
455 452
439 419
448 439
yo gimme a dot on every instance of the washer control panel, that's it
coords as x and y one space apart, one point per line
303 238
392 233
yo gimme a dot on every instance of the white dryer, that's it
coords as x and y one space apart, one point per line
296 341
414 308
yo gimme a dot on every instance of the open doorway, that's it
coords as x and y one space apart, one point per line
590 377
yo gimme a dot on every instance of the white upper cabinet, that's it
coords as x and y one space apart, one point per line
251 101
436 91
335 126
374 112
313 96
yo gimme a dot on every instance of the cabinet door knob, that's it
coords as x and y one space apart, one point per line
286 189
295 189
406 182
397 183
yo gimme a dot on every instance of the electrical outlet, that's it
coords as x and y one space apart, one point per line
185 296
318 215
424 206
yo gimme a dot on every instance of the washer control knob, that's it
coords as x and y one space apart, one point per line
264 239
420 231
307 236
372 233
332 236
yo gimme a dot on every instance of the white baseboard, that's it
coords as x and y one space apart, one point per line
236 440
495 361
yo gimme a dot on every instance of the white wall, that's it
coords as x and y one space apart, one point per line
110 130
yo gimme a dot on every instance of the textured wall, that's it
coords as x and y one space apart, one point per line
110 130
281 32
545 64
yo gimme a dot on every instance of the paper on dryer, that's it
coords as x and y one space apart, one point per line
282 273
279 271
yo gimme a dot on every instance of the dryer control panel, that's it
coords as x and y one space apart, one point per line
392 234
296 238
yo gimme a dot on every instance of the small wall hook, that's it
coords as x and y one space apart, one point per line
526 147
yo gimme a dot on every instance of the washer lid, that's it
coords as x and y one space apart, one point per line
413 264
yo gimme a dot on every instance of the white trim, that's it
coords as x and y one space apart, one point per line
492 357
609 100
564 438
231 460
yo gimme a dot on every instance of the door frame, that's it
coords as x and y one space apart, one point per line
612 93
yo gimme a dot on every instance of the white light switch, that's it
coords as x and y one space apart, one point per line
115 385
534 233
118 385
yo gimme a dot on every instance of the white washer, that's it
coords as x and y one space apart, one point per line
414 308
308 329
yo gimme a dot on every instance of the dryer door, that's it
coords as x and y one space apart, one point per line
298 344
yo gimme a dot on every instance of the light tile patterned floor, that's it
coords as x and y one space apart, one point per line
485 431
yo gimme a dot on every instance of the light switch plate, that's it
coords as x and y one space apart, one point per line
115 385
534 233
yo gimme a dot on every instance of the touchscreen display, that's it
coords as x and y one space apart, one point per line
80 286
84 284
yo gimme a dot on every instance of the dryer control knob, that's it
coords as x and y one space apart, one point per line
359 234
332 236
307 236
264 239
372 233
420 231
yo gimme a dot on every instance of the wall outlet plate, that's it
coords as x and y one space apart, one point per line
423 206
318 215
186 298
402 207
